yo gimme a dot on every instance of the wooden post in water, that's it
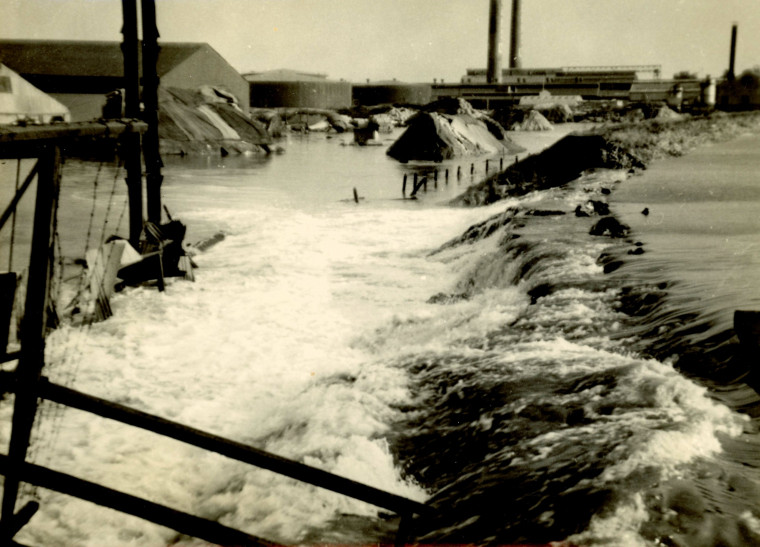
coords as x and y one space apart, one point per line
501 163
132 152
447 175
403 187
153 164
356 196
486 167
459 172
472 168
435 178
32 355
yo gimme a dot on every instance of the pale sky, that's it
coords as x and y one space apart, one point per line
418 40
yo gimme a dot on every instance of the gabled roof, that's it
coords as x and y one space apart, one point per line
84 58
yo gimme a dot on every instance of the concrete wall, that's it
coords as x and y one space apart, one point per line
330 95
207 67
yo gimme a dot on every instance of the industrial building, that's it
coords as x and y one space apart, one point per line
79 74
292 89
571 74
589 82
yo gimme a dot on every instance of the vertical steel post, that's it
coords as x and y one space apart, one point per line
131 141
153 164
32 357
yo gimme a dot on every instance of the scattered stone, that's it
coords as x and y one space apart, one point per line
580 212
544 213
609 226
443 298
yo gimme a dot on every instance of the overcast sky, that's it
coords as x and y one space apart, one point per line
418 40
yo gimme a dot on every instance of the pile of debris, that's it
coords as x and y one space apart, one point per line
449 129
207 121
533 121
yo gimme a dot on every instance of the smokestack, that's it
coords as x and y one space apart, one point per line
731 73
493 74
514 42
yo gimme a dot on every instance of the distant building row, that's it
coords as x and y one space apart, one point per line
79 74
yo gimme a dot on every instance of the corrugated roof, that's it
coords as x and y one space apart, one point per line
84 58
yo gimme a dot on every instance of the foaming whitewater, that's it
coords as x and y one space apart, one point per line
485 361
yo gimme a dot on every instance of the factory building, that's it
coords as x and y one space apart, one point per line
79 74
293 89
576 74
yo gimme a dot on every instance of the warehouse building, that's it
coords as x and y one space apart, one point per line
79 74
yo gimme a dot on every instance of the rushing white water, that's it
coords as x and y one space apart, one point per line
310 332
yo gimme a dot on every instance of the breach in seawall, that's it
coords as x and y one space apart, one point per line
579 357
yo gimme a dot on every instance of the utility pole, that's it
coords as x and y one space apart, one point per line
153 164
131 141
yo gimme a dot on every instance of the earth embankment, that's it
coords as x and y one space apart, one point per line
620 146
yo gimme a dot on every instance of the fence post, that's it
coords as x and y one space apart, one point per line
32 355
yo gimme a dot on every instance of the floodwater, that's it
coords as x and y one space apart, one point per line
505 379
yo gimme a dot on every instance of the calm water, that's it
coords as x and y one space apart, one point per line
502 379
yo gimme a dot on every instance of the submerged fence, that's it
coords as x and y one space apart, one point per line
29 386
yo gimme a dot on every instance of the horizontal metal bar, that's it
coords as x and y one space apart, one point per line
19 194
12 356
183 523
231 449
17 521
35 133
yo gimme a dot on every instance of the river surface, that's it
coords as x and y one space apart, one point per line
528 382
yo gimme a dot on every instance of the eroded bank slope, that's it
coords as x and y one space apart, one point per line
622 146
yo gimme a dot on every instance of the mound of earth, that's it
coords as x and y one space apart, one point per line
449 129
207 121
555 166
534 121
